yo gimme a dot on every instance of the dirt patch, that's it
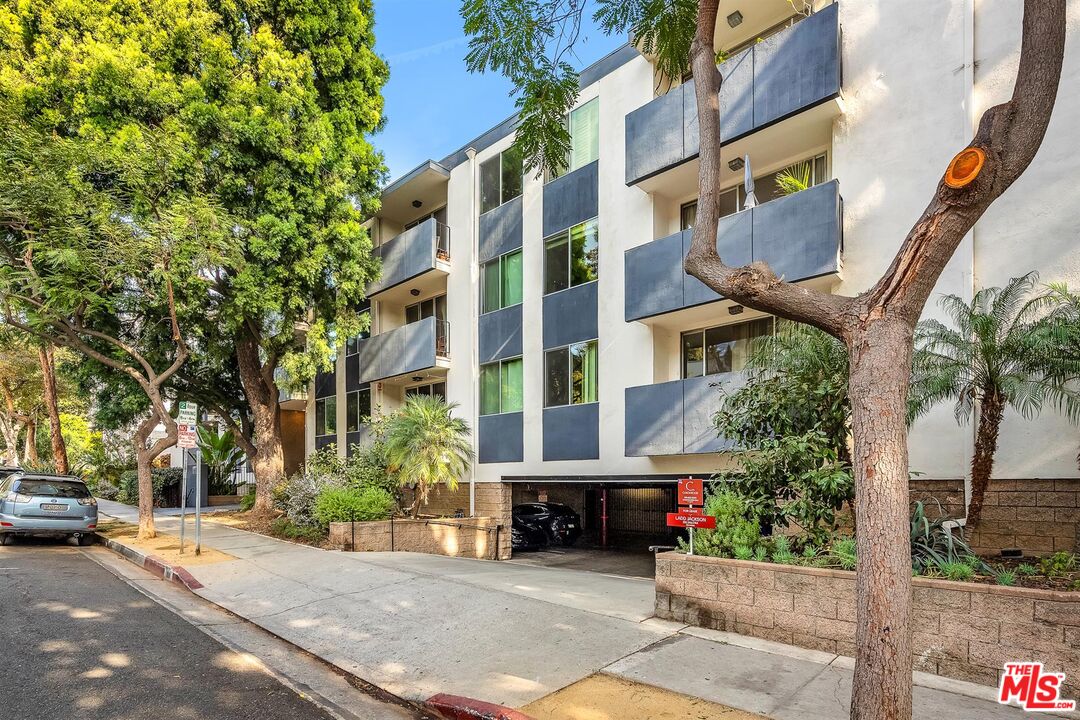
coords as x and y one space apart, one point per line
166 547
605 697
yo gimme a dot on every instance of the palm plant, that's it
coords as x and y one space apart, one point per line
1002 352
221 455
1065 328
426 445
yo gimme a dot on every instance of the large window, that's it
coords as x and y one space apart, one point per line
571 375
583 124
721 349
500 179
326 415
500 282
809 172
572 257
357 407
501 387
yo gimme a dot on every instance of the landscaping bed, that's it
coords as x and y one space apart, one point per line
961 630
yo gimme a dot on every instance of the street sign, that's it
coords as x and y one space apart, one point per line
187 413
688 520
186 437
691 491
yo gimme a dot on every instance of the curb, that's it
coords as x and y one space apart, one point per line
154 564
456 707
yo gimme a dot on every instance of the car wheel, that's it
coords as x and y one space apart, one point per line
88 539
7 539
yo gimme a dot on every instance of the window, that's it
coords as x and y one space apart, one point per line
426 308
500 179
571 257
439 215
501 387
500 282
583 124
428 390
813 171
357 407
721 349
571 375
326 416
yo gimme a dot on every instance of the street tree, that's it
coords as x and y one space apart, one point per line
20 397
528 42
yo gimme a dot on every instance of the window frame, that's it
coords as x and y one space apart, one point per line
326 400
359 416
434 309
430 386
565 235
553 174
483 281
570 373
498 364
498 158
704 346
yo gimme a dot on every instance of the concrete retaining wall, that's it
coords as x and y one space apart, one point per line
455 537
961 630
492 501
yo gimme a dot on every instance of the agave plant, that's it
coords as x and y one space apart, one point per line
1003 351
933 545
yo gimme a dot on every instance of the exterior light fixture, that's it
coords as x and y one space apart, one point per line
417 203
414 292
735 310
734 20
417 378
735 164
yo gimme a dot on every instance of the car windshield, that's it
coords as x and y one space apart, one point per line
53 488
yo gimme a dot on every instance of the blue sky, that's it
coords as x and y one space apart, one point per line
433 104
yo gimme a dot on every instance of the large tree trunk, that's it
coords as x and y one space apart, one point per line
52 407
991 410
143 458
880 373
10 432
261 392
48 377
30 452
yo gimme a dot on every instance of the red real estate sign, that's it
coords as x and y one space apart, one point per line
691 518
691 491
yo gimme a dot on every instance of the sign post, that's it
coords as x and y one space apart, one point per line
187 439
691 513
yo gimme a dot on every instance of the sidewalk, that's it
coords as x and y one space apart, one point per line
511 634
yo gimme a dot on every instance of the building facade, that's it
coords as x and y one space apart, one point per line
555 312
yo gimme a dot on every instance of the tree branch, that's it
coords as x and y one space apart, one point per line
1009 135
756 285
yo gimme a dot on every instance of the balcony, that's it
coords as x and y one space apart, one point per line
800 236
785 74
675 418
415 254
398 353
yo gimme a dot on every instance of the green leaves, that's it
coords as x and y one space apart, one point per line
663 28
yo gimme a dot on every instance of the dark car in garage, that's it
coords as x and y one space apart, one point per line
559 523
526 536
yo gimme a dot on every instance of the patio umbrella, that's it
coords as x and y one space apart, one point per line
748 181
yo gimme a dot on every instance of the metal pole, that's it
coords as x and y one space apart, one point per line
198 504
691 541
183 507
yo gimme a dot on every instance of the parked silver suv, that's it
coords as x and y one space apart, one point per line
42 504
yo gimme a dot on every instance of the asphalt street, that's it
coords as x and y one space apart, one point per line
78 642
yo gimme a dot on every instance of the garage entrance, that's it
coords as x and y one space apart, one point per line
621 520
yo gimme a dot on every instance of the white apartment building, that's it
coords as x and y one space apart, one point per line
555 312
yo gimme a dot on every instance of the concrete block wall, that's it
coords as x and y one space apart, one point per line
467 537
493 500
966 631
1038 516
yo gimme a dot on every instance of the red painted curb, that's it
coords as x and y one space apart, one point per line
155 565
457 707
186 578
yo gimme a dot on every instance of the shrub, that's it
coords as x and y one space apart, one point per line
956 570
105 490
843 553
1057 565
162 478
933 543
1027 570
285 528
335 504
737 533
1005 577
247 501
